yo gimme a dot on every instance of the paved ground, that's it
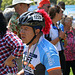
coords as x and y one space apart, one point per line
19 62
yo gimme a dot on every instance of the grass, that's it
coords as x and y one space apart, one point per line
71 73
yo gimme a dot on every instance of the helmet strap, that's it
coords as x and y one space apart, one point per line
31 40
33 37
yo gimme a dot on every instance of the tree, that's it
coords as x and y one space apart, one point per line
5 3
68 2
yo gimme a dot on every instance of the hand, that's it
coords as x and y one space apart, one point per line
21 72
62 34
30 65
9 62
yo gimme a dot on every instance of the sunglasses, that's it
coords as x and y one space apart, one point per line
48 6
62 11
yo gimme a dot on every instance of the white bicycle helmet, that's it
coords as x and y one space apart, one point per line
32 19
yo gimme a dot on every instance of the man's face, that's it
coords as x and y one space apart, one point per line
21 8
26 33
68 22
16 8
60 14
46 7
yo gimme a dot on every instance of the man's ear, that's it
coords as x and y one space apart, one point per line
56 14
37 31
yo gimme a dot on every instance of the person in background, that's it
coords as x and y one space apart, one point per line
11 47
70 48
62 5
44 4
56 35
40 56
20 7
8 12
61 26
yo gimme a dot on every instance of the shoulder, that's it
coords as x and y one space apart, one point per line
11 35
51 29
45 45
15 16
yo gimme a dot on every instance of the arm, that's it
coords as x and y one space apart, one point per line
9 25
55 72
9 62
61 35
55 41
52 61
15 45
21 72
65 43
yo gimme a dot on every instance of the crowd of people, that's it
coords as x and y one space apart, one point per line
39 42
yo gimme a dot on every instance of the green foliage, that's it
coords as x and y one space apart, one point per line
67 2
33 2
5 3
71 73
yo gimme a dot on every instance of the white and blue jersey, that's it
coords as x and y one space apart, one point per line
45 53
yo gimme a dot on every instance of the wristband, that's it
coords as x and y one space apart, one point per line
59 38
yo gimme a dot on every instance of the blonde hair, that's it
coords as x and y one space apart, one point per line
65 18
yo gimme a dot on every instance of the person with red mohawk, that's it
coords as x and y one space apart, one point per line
44 4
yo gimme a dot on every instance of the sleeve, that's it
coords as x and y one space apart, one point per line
51 60
61 26
51 33
15 44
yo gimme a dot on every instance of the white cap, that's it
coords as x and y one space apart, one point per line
14 2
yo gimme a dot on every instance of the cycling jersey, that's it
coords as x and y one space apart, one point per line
43 56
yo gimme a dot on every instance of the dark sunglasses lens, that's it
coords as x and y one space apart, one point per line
62 11
48 7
